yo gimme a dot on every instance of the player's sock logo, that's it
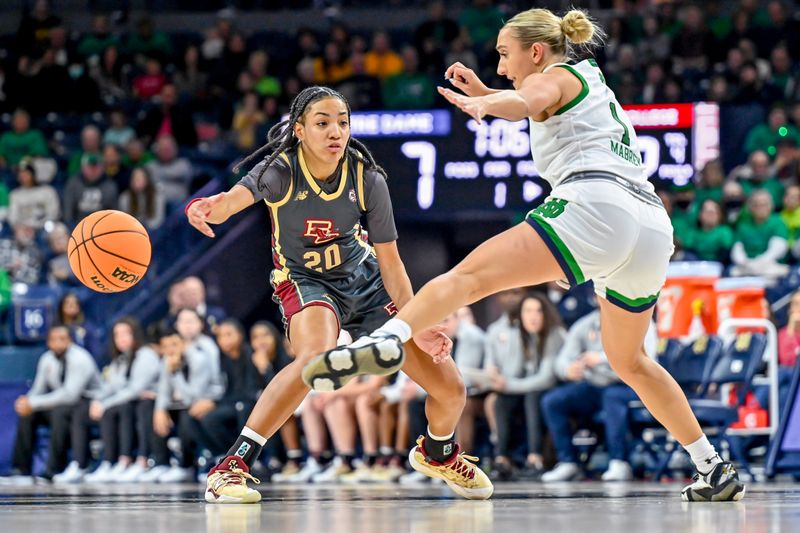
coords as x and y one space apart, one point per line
243 449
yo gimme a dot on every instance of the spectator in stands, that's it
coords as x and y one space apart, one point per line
65 377
712 239
654 82
88 191
111 75
709 186
654 46
333 67
468 348
306 46
194 296
761 240
143 199
782 30
460 52
146 41
784 72
90 145
83 331
191 80
113 167
119 133
481 21
433 37
246 120
59 272
60 48
169 119
263 83
151 82
791 215
224 72
215 420
757 174
185 378
765 137
521 377
21 141
733 200
693 44
32 204
751 88
584 368
216 37
381 61
788 351
100 38
170 172
20 257
133 370
682 215
34 27
136 155
362 90
410 89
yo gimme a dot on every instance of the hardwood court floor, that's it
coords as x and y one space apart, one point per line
589 507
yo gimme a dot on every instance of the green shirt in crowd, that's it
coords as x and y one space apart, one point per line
755 237
408 91
792 220
14 146
683 224
711 245
771 185
482 24
763 138
92 45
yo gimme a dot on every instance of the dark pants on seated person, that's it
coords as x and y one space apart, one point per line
506 407
580 400
58 419
615 410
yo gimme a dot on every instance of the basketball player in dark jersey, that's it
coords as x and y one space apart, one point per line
318 183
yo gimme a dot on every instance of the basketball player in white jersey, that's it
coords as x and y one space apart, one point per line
601 222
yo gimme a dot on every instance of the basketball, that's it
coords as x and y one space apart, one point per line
109 251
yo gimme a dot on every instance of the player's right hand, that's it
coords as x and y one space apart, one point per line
465 79
199 211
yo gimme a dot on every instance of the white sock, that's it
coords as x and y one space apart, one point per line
252 435
703 454
437 437
395 327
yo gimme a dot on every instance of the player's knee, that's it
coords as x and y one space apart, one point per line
628 367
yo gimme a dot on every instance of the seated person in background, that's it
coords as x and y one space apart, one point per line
84 332
756 174
134 370
58 270
215 420
269 357
171 173
65 377
712 239
190 327
520 377
791 217
31 203
21 141
185 379
20 257
89 191
760 240
788 351
143 199
583 365
194 295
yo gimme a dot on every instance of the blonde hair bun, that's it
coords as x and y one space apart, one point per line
577 27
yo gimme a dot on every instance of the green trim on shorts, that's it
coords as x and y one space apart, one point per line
569 259
581 95
636 305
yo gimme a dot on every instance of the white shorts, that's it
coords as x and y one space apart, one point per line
599 230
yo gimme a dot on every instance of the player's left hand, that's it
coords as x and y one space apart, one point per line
435 343
473 106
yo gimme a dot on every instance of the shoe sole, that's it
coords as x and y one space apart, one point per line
470 494
252 497
334 368
732 490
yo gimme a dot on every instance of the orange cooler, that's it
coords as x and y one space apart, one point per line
741 298
687 281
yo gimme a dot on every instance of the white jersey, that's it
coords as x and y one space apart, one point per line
591 132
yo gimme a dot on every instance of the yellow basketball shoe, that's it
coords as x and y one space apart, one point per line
227 483
459 472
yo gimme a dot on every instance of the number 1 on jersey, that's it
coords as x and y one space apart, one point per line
626 136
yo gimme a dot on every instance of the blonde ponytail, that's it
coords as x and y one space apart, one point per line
559 33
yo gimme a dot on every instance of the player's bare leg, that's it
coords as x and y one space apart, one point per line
623 335
312 330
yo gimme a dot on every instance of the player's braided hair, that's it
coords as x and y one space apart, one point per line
281 136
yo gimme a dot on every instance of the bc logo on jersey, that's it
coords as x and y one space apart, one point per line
321 230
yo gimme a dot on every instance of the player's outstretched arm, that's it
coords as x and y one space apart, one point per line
465 79
218 208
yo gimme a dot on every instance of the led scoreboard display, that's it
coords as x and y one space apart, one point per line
442 161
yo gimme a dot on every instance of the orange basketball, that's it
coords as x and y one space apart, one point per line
109 251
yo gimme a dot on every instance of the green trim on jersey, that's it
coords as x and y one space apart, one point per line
633 302
578 99
569 259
